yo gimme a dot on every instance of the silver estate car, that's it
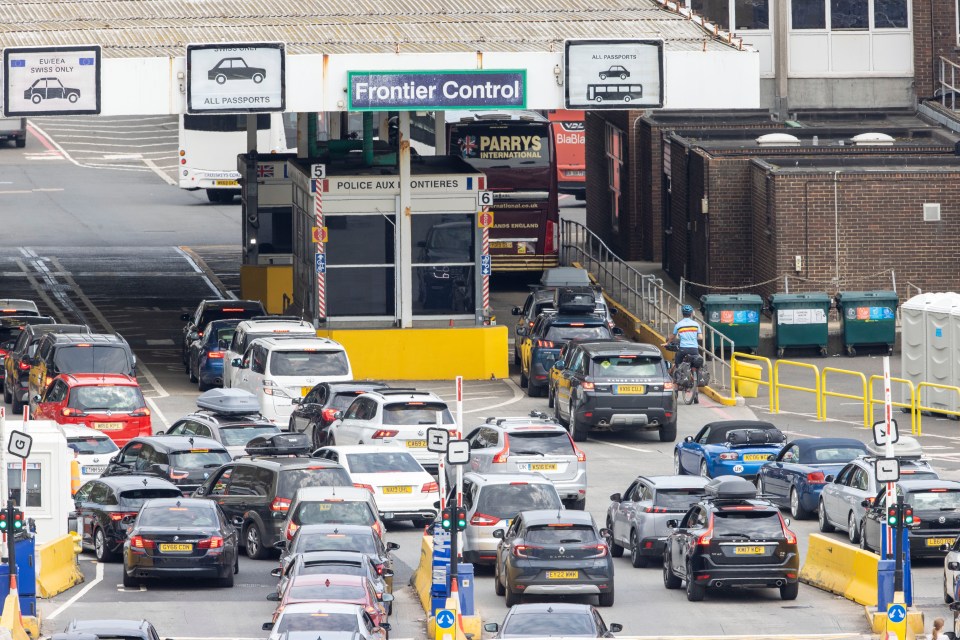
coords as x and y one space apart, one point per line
637 518
530 444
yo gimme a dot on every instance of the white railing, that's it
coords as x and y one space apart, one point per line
949 75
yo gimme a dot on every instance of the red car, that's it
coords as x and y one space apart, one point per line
111 403
335 588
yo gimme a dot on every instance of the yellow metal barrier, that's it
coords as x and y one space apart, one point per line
919 408
824 394
873 400
777 385
769 383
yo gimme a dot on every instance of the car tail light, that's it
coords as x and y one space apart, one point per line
816 478
24 366
548 344
215 355
178 475
280 504
523 550
49 379
483 520
329 415
4 353
654 510
142 412
550 239
213 542
72 413
587 385
376 527
707 536
360 485
599 550
380 569
270 388
139 542
502 455
380 434
730 456
430 487
669 386
117 517
789 535
291 529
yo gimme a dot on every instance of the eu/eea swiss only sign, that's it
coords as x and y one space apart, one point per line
428 90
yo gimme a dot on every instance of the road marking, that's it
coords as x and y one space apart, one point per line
66 605
191 257
160 172
48 142
517 395
621 446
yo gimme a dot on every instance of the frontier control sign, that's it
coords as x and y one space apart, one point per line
426 90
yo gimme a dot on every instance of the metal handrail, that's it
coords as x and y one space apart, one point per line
642 294
951 88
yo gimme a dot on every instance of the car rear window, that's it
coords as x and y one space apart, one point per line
563 334
383 462
832 454
344 622
323 592
240 435
559 623
224 335
333 567
626 366
677 498
560 534
416 413
314 476
177 517
134 498
308 363
935 500
104 397
507 500
199 459
334 513
752 524
540 442
92 359
89 445
363 543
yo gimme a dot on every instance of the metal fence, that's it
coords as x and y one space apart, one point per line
641 294
949 75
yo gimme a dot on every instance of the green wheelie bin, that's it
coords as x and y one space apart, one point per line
736 316
869 318
800 320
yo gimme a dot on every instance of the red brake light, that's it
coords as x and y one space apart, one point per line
24 366
816 477
380 434
71 413
139 542
359 485
379 569
214 542
501 455
586 386
550 241
708 535
729 456
291 529
329 415
280 504
430 487
4 353
654 510
178 475
547 344
522 550
577 324
601 550
117 517
215 355
376 527
231 310
142 412
789 535
483 520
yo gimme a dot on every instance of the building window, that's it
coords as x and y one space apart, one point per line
614 147
714 10
14 472
809 15
890 14
849 15
751 14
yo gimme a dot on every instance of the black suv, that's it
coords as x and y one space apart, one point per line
259 489
316 411
542 299
10 329
186 461
731 538
209 310
78 353
16 381
615 386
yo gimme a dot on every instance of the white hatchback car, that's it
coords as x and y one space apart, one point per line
92 448
401 486
398 417
278 370
249 330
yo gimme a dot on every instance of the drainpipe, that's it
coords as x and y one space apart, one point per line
836 226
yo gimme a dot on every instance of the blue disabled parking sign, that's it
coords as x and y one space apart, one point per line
897 613
445 618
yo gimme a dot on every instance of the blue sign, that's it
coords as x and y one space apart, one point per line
486 265
428 90
896 613
321 262
445 619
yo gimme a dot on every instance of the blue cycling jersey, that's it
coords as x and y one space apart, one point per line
688 333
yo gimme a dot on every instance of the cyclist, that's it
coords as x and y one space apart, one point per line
687 334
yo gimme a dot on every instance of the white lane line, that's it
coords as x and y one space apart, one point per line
66 605
197 268
160 172
517 395
41 291
621 446
40 132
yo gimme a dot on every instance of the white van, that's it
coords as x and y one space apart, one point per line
280 370
249 330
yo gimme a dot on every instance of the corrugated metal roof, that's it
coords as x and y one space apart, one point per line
147 28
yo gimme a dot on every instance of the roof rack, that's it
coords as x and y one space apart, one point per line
533 415
279 444
730 488
236 402
396 391
268 318
906 447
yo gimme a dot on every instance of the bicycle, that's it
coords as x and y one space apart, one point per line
685 382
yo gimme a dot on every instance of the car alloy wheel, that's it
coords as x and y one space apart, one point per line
853 533
677 468
703 469
825 525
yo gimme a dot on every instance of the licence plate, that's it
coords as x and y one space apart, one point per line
563 575
575 174
748 551
226 183
936 542
108 426
631 389
501 245
97 469
304 391
395 490
539 466
175 548
756 457
416 444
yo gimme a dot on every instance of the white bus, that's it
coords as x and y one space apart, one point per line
210 144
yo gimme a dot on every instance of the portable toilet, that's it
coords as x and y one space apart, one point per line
941 366
913 340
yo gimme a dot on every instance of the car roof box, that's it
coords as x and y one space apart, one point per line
575 300
905 447
730 488
229 401
279 444
564 276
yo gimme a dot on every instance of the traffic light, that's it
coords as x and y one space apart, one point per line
17 520
892 516
446 519
461 518
3 521
908 520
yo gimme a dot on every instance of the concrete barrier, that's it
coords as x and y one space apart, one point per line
878 621
840 568
476 353
58 570
422 578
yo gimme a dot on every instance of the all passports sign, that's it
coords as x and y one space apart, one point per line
236 78
613 74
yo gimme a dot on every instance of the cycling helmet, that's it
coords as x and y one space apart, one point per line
686 310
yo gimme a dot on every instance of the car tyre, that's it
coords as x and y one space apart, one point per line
579 432
129 582
677 467
863 542
606 599
623 76
422 522
221 78
226 581
190 373
853 533
704 472
947 598
536 390
615 549
796 509
7 396
100 548
695 592
603 76
668 432
36 98
254 542
825 525
16 405
637 559
497 585
202 386
524 381
549 396
789 591
580 504
511 597
670 581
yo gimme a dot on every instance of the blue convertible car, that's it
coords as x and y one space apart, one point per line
728 448
803 468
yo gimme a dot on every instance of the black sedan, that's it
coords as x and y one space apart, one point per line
553 619
936 513
180 538
102 504
340 537
317 410
554 553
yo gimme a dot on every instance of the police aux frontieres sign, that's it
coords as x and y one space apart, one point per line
427 90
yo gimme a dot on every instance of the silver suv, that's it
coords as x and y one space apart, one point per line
530 444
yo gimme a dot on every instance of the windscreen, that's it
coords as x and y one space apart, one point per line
626 366
323 592
308 363
555 534
416 413
308 542
563 334
558 623
751 524
293 479
106 397
677 499
934 500
540 442
507 500
345 622
334 513
400 462
242 434
199 459
835 455
90 445
177 517
92 359
134 498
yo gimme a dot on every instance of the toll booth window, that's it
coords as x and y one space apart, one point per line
275 234
360 291
443 264
360 240
34 479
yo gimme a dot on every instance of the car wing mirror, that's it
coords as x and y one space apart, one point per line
498 533
688 439
385 626
955 606
436 504
296 400
613 311
392 546
222 344
273 596
606 533
558 364
521 331
830 478
128 520
237 521
516 311
387 597
276 573
617 331
280 544
267 626
616 497
387 573
36 398
786 521
615 627
339 416
185 317
491 627
866 504
672 524
952 566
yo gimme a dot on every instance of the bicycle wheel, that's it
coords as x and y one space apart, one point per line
689 388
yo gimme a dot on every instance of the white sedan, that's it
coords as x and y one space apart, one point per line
402 487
